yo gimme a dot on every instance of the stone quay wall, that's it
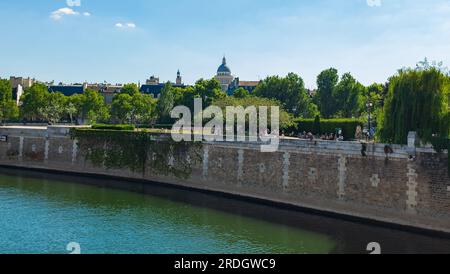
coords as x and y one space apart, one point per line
410 187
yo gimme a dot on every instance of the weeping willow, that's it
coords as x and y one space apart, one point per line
417 101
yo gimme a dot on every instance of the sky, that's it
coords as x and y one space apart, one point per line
127 41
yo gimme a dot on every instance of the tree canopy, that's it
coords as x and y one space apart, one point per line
166 104
286 119
8 108
91 107
133 109
326 84
417 101
55 107
241 93
208 90
412 100
130 89
290 92
33 102
349 96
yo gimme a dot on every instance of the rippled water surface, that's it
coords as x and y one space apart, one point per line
43 216
42 213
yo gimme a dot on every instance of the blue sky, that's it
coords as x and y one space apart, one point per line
127 41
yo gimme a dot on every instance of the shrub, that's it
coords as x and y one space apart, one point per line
327 126
316 126
155 126
113 127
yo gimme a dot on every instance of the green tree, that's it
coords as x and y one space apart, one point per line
208 90
349 96
375 94
166 104
71 108
130 89
33 102
426 65
286 119
241 93
417 101
121 108
8 107
74 108
55 107
92 107
316 126
326 84
144 109
135 109
290 91
185 97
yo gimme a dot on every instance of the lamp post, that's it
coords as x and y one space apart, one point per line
369 106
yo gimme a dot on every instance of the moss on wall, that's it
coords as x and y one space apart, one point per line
137 151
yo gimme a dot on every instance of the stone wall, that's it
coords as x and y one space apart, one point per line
409 187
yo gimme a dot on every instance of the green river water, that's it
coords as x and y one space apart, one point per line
42 213
43 216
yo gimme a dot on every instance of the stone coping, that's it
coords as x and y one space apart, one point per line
286 143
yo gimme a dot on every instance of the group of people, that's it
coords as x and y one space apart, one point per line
331 137
325 137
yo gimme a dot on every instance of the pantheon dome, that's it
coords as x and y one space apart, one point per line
224 69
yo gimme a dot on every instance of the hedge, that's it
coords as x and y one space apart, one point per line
113 127
326 126
156 126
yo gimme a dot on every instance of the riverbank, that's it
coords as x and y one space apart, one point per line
331 178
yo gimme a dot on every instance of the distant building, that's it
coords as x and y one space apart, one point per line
68 90
152 80
18 85
179 80
249 86
229 83
153 87
224 75
108 91
24 82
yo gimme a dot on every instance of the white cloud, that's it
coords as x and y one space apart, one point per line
126 25
58 14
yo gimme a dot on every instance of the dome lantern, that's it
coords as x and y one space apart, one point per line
224 69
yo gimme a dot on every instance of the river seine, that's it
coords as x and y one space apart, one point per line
43 213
